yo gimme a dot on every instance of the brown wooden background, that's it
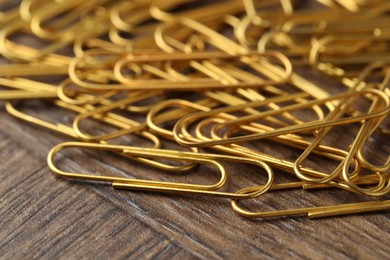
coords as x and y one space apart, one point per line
43 216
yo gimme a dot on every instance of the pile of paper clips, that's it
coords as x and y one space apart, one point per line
216 77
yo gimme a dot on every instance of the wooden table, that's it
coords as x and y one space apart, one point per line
44 216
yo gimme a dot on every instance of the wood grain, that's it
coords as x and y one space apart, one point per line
46 217
43 216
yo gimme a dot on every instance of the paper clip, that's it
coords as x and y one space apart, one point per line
223 43
128 126
108 118
252 7
26 89
72 94
11 70
355 6
130 183
375 191
192 83
314 212
133 24
154 117
21 94
263 20
217 72
318 57
180 127
14 50
122 149
66 22
366 129
127 16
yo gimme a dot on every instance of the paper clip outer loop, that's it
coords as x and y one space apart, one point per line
126 149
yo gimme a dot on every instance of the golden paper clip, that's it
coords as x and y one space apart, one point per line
366 129
13 50
136 184
25 89
109 118
72 94
127 126
182 124
197 82
221 42
63 19
154 117
314 212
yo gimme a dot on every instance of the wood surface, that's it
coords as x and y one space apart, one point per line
45 217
